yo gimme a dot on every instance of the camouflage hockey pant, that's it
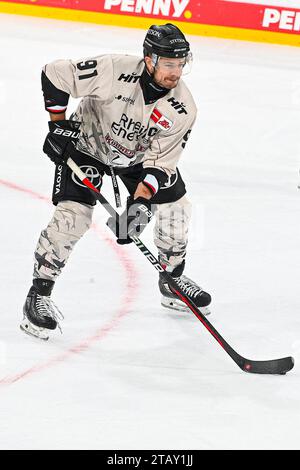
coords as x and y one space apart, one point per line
72 219
74 210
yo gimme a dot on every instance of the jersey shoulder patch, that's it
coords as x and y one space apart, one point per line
161 121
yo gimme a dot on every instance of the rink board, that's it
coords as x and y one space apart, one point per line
220 18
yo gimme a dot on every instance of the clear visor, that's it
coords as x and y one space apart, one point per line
183 65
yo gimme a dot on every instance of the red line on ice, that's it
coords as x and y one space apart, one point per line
124 309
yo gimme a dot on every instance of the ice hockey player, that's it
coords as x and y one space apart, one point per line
132 122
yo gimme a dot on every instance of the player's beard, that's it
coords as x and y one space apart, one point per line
168 82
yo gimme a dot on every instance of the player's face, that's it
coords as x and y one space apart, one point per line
167 72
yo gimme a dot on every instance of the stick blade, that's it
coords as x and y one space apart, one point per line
275 366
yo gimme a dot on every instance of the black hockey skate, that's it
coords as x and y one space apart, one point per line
40 312
194 292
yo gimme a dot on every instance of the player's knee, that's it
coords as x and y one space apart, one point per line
71 219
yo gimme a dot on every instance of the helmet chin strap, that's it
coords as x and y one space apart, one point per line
154 61
147 69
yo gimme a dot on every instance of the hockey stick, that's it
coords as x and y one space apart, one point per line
274 366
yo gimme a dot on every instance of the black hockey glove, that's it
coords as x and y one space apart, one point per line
132 221
62 134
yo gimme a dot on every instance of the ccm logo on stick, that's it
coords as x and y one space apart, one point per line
286 19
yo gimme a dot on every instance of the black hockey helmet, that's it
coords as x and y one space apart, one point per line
166 41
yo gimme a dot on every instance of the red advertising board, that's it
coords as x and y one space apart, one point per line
218 13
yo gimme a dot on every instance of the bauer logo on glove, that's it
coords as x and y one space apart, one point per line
60 140
66 133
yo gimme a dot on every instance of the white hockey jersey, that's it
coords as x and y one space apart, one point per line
118 128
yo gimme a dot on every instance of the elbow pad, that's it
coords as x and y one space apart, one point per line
56 101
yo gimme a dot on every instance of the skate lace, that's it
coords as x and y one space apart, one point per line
188 286
45 306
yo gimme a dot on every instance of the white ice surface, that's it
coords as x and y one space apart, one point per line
126 373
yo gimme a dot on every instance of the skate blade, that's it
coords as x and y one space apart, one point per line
175 304
33 330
